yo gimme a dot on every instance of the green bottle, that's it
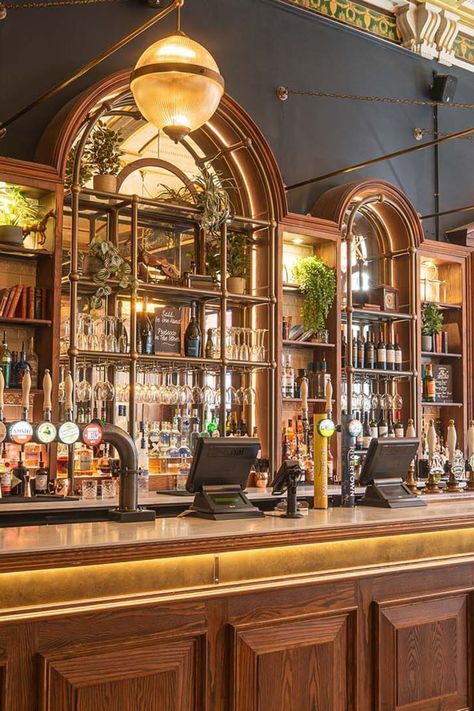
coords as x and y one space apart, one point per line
5 360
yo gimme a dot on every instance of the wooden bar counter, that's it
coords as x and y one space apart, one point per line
355 609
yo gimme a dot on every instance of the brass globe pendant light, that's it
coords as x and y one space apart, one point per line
176 84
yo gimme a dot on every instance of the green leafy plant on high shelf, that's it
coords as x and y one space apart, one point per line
103 156
17 212
317 282
85 172
431 323
102 263
238 259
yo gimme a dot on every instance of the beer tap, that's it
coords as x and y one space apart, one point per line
68 431
45 432
431 437
3 429
470 457
451 440
324 428
21 431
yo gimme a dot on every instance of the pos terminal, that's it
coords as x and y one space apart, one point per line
218 477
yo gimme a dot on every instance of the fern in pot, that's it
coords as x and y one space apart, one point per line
17 211
103 156
317 282
431 323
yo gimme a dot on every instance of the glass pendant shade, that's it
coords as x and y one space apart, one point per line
176 85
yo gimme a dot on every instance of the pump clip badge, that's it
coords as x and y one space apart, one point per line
68 433
92 434
21 432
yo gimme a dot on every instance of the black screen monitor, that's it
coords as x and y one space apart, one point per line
384 470
218 477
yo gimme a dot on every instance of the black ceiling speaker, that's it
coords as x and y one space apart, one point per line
444 88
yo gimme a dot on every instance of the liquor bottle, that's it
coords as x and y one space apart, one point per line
213 427
32 359
192 335
398 355
343 350
369 351
13 383
373 426
330 466
20 478
6 474
21 367
194 437
381 353
122 419
41 478
355 361
429 384
146 334
210 350
390 427
399 429
195 419
228 426
322 377
366 435
359 443
288 379
360 349
143 464
5 360
390 356
382 425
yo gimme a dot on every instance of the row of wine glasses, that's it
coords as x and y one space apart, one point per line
107 334
245 344
364 398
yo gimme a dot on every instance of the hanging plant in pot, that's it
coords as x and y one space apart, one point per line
102 263
317 282
238 253
17 212
103 155
431 323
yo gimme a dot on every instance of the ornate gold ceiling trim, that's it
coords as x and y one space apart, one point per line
442 30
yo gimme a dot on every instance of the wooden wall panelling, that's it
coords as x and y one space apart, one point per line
296 664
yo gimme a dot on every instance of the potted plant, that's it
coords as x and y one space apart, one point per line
431 323
103 156
238 249
85 172
104 262
17 211
317 282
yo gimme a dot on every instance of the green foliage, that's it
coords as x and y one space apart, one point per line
431 319
212 199
113 266
85 172
238 252
102 151
317 282
16 209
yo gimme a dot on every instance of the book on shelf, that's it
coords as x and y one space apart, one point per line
26 302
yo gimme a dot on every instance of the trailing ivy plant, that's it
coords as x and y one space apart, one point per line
431 319
113 266
317 282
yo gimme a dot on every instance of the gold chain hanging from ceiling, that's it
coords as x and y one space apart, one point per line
53 3
378 99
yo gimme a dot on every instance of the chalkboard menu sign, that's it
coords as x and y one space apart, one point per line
168 330
443 375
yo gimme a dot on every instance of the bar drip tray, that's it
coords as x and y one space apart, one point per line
36 499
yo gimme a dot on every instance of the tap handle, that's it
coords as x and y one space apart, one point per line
25 389
328 394
2 389
68 387
304 394
47 388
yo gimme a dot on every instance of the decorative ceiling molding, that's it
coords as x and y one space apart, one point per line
439 30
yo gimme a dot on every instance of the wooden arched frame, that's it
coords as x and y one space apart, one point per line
155 163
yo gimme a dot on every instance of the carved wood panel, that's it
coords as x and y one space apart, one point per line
293 665
423 655
146 675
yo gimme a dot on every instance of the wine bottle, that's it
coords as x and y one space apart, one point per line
370 351
390 356
343 350
360 349
398 355
429 384
21 366
366 435
323 369
355 361
5 360
399 429
192 335
382 425
373 426
194 436
122 419
390 427
146 333
359 443
381 353
32 359
209 344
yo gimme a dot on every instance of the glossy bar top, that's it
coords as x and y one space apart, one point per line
77 543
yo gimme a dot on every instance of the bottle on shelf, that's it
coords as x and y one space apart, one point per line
369 355
194 436
390 426
192 335
390 355
210 349
399 429
20 478
5 473
360 349
322 377
373 426
366 435
122 419
359 443
343 349
21 367
121 333
398 355
13 382
382 425
429 384
143 464
5 360
41 477
33 362
381 352
146 334
288 381
355 361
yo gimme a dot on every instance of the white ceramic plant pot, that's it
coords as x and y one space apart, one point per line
105 183
236 285
11 234
427 343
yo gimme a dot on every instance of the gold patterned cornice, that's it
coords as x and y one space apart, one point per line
446 26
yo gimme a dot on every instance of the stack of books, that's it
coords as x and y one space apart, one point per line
20 301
